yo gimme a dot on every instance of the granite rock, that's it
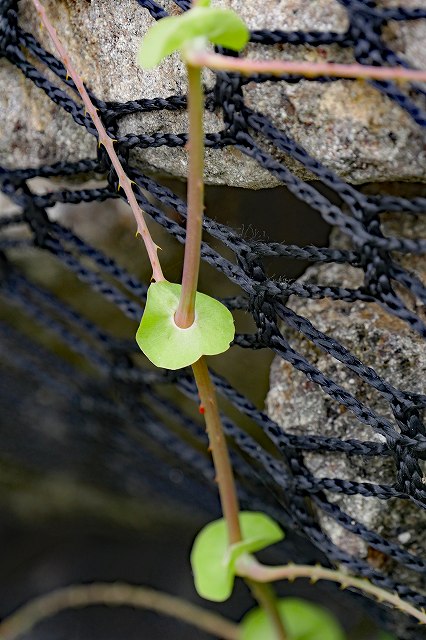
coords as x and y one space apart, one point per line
397 354
358 133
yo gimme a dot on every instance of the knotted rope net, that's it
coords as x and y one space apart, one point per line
117 387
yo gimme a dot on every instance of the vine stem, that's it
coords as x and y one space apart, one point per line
185 313
245 66
219 450
265 596
185 316
114 594
108 143
249 567
227 490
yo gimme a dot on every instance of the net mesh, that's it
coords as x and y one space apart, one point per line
272 476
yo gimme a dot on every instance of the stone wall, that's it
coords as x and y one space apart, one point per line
349 126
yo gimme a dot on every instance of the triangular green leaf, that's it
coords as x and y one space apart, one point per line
213 560
171 347
219 26
302 621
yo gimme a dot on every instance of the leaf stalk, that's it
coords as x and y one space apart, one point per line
185 313
245 66
249 567
124 182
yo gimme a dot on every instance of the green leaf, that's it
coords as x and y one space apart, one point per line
219 26
171 347
213 559
386 636
302 620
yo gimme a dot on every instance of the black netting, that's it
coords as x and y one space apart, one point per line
113 384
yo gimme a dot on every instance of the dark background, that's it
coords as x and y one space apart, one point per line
76 510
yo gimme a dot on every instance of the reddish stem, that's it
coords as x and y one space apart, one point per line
219 449
263 593
246 66
249 567
108 143
185 313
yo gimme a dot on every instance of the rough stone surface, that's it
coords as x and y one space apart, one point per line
300 407
347 125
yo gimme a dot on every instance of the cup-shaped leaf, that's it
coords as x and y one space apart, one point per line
169 346
302 621
213 559
219 26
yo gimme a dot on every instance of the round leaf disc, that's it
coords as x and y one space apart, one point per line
213 560
302 620
219 26
169 346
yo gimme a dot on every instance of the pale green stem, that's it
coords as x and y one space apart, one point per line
114 594
185 313
249 567
245 66
265 596
108 143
